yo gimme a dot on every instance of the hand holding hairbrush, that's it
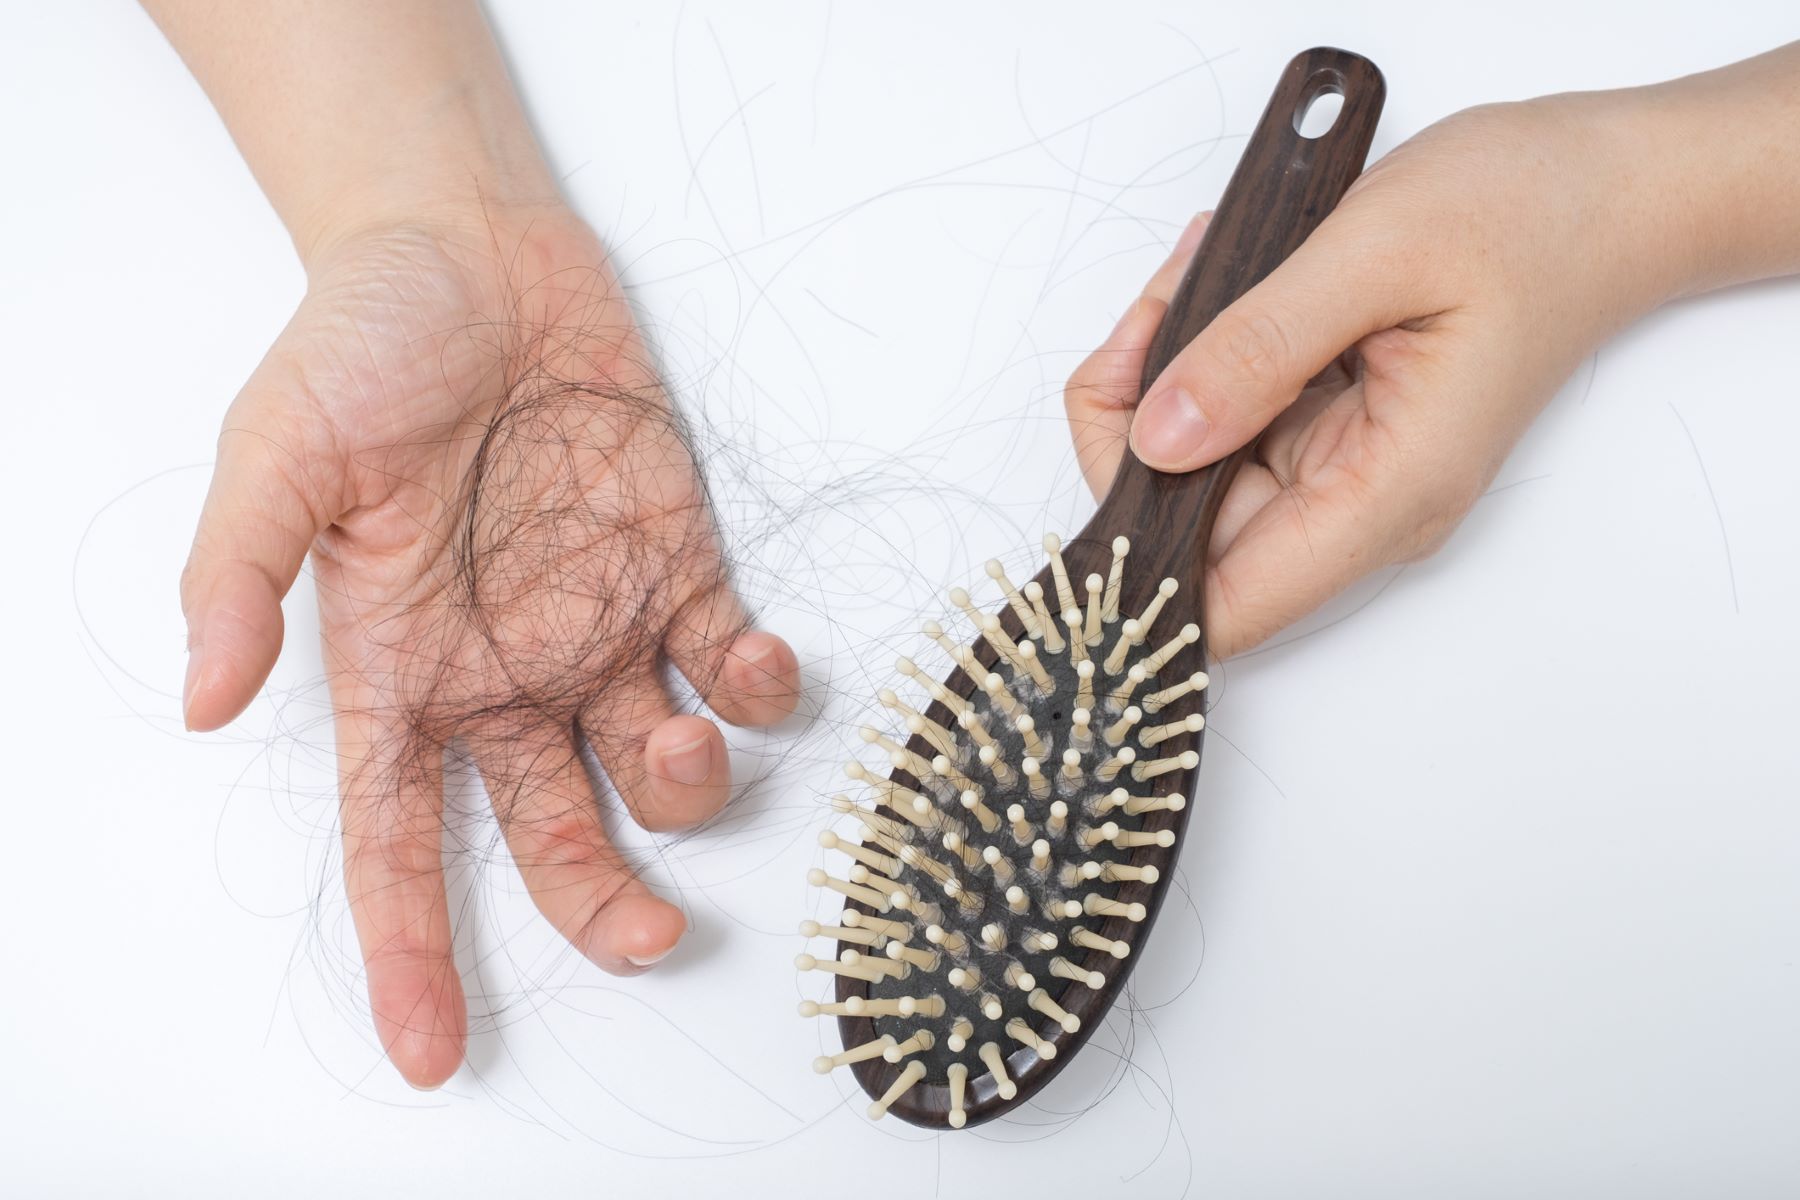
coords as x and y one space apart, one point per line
1024 833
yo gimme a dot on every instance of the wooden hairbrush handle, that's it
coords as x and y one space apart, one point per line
1284 186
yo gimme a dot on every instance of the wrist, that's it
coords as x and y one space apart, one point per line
455 174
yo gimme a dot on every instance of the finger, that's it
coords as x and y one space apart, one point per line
671 770
1103 388
391 807
745 675
580 882
1256 356
266 504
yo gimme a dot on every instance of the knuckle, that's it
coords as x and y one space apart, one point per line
1250 347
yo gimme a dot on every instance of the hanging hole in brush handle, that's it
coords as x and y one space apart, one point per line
1285 184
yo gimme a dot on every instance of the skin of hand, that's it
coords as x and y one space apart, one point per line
459 324
1388 367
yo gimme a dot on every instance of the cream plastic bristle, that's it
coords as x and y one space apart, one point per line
1037 941
959 654
1041 1001
825 1064
1077 639
860 874
966 978
960 598
1131 839
987 818
995 635
968 900
1039 783
959 1083
882 966
1062 968
970 723
919 860
993 936
868 896
939 692
862 854
1101 805
854 969
915 1071
1187 760
931 1007
843 933
1092 838
1197 682
1081 733
1065 595
1062 910
951 940
1113 872
922 909
1110 769
998 863
1019 977
919 1042
989 757
1017 900
1121 693
1021 1032
940 738
961 1030
1046 631
812 1008
1040 855
1128 640
1029 657
990 1006
1075 873
898 930
872 821
1119 730
1157 734
1071 767
1005 701
1084 685
1058 820
943 768
1190 633
1164 590
1096 905
1115 578
1027 619
1034 745
862 1006
1139 805
996 1065
1096 600
958 845
1090 940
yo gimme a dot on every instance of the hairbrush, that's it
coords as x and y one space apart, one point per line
1024 831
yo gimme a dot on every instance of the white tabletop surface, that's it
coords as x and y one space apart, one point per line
1494 884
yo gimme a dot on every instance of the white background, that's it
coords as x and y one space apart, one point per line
1499 875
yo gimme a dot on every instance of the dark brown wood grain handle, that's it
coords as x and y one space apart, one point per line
1284 186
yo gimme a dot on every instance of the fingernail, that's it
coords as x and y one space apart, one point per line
1170 428
692 763
648 960
1190 237
192 681
1137 306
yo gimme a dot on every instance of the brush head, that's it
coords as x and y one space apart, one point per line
1011 860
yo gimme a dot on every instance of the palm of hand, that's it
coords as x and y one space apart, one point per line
508 534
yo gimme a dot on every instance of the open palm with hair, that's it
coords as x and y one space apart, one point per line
509 538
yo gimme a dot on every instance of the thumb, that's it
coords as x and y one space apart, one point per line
262 512
1251 362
